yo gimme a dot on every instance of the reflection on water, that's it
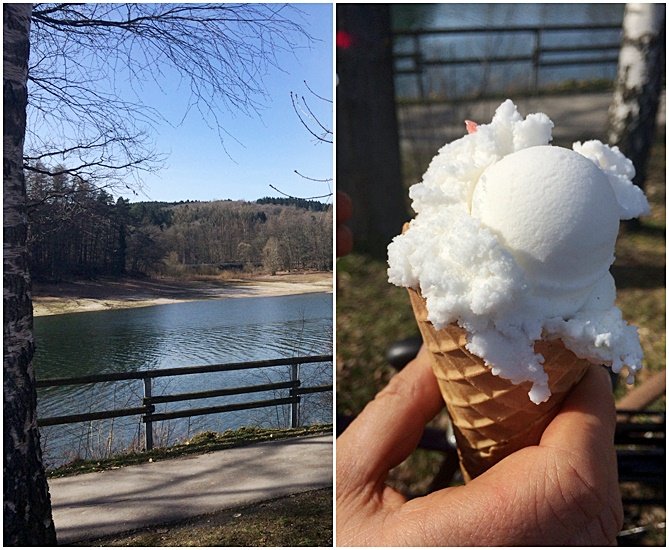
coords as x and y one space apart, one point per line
178 335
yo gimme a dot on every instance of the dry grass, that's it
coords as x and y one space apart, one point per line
303 519
203 442
640 269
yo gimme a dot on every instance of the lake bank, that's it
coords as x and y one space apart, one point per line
104 294
187 333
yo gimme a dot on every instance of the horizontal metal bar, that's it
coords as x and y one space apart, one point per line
635 427
412 55
139 375
640 501
219 409
508 59
646 453
220 393
417 56
85 417
640 412
651 479
314 389
477 60
149 402
516 29
587 61
582 48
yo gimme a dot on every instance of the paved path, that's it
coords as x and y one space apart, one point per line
92 505
576 117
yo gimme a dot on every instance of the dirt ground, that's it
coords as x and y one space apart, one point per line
99 294
303 519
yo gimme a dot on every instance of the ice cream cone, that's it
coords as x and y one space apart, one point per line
491 416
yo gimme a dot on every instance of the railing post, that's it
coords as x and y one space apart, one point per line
536 60
418 64
148 429
147 412
295 405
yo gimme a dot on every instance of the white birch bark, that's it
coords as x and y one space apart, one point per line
633 111
27 519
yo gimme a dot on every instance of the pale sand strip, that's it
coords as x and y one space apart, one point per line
53 301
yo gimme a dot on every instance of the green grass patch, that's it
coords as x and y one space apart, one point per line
198 444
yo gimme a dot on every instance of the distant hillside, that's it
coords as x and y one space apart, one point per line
77 231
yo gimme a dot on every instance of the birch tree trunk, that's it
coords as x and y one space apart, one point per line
633 112
27 509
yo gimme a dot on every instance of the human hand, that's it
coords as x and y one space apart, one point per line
344 213
562 492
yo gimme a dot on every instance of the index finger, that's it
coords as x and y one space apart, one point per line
588 415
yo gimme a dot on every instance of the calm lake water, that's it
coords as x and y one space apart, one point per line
177 335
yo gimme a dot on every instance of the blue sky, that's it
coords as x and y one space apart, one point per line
267 148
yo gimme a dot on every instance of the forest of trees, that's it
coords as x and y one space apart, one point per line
77 230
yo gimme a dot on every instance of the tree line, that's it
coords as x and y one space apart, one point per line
307 204
79 230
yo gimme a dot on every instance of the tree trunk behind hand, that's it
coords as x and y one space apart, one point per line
633 112
368 152
27 507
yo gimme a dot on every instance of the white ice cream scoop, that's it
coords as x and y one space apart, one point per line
513 240
557 214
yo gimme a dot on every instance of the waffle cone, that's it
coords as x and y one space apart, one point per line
491 416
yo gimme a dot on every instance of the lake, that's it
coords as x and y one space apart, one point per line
177 335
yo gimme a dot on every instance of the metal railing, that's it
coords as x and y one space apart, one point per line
539 57
149 401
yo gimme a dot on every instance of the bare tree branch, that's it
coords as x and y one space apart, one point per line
325 132
91 63
322 137
315 94
300 198
326 180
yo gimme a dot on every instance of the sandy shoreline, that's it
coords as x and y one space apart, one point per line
80 296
